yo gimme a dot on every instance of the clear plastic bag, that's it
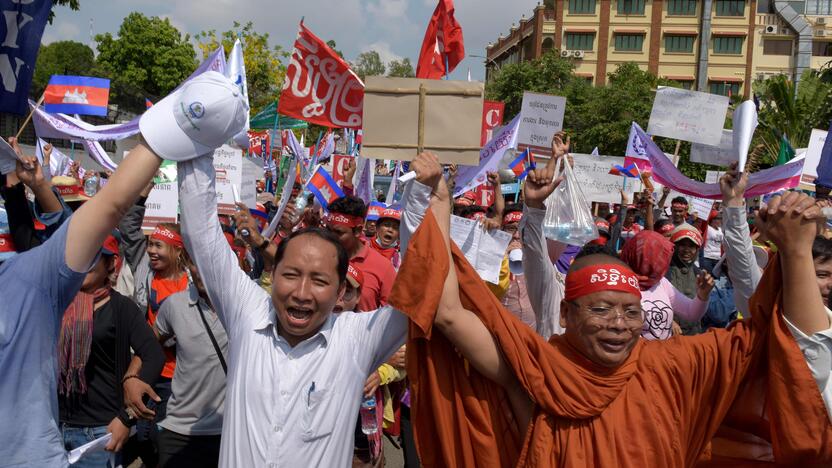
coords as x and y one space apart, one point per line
568 215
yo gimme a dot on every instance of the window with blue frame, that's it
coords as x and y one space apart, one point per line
581 7
678 44
681 7
731 45
579 41
629 42
730 7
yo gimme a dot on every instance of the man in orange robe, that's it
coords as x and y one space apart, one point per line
598 395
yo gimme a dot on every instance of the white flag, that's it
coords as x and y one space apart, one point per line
470 177
236 72
635 147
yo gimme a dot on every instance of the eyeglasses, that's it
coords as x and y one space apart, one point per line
633 316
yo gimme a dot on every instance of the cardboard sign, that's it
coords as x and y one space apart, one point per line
688 115
228 165
403 116
810 167
712 177
720 155
492 118
597 184
541 116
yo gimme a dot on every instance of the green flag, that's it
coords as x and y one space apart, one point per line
265 120
786 152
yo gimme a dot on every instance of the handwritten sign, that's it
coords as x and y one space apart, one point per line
701 207
810 167
228 165
162 204
688 115
541 115
720 155
597 184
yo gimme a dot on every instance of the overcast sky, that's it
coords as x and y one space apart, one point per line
394 28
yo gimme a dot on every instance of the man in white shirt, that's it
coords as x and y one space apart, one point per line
296 371
712 250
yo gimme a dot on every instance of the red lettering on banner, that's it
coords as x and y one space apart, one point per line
256 140
339 167
485 195
492 117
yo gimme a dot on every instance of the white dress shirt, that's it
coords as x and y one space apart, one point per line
284 406
817 350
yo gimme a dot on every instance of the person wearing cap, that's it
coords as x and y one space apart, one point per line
98 331
516 298
295 370
349 300
36 287
345 219
572 398
685 276
712 250
386 240
603 227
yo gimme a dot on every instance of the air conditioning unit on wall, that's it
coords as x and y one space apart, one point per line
578 54
566 53
771 29
820 20
821 33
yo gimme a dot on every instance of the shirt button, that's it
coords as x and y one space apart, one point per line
277 428
811 354
283 393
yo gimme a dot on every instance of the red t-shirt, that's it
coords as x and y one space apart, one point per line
160 289
379 275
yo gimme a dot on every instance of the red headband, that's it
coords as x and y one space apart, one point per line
679 205
603 277
356 275
340 219
513 217
666 228
168 237
476 216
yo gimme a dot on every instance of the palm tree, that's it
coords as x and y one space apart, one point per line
795 113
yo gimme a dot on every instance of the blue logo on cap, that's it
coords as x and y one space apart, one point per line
197 110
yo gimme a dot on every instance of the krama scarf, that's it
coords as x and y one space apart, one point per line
75 340
648 253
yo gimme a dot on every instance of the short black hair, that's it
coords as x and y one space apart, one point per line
469 210
658 225
512 207
595 249
351 206
681 200
822 249
343 258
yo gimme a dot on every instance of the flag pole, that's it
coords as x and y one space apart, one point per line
29 117
676 153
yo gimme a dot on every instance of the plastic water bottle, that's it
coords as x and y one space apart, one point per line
91 186
300 204
369 423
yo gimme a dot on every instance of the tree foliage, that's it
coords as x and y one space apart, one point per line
73 5
401 68
334 46
265 71
147 59
795 113
368 64
61 58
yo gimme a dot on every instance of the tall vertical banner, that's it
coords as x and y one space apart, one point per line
21 30
492 117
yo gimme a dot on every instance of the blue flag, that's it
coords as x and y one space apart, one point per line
21 32
825 165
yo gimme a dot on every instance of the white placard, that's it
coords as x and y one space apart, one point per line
688 115
597 184
483 250
248 184
810 167
228 165
712 177
701 207
162 206
541 116
720 155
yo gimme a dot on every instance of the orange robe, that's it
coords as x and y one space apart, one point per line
662 407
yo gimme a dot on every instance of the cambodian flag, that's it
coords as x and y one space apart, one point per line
522 164
630 170
147 103
324 188
77 95
374 210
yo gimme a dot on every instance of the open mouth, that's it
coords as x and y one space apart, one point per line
299 316
613 346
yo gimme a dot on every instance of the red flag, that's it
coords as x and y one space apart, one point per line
320 87
443 44
492 117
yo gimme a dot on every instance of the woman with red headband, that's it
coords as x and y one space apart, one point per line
160 265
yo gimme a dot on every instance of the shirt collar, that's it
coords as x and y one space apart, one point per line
270 322
362 252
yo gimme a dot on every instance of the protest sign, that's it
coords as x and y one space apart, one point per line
404 116
162 204
597 184
484 250
688 115
810 167
228 165
745 122
541 116
701 207
339 167
492 117
722 154
712 177
248 183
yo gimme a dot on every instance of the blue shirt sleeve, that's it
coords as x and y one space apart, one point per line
54 220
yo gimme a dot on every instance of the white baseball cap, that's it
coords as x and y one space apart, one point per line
195 119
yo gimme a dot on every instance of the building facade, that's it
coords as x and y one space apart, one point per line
717 46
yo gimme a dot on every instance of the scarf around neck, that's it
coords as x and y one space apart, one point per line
75 340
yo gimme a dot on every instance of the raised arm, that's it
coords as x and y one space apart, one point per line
228 286
96 218
615 229
133 240
792 222
739 250
416 198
